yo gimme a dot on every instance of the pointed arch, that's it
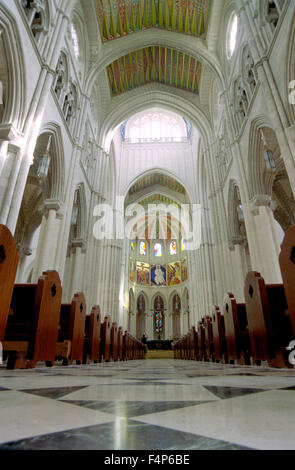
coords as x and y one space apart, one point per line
15 72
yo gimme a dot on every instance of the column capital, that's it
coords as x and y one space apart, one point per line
79 243
23 250
262 200
8 132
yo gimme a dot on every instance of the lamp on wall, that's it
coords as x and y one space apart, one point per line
43 167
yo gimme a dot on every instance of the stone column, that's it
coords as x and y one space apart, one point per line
23 253
77 281
48 239
267 246
8 180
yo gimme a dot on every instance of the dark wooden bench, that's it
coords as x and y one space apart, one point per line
219 340
269 324
236 331
105 340
32 326
114 342
208 338
8 268
70 341
201 341
120 344
287 264
194 343
91 347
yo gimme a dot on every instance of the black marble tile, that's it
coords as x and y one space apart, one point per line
2 389
126 435
54 392
231 392
288 388
128 409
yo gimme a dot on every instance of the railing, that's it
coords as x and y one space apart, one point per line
149 140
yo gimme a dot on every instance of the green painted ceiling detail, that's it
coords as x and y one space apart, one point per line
118 18
154 64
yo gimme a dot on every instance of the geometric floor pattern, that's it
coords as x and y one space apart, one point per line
147 405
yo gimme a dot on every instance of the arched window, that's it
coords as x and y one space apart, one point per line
142 248
231 37
182 244
158 250
173 248
156 125
75 41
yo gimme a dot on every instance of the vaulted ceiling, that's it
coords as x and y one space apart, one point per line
118 18
154 64
148 181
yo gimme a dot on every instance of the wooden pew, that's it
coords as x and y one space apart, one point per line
70 341
120 344
201 341
114 342
219 340
194 343
92 336
236 330
8 268
32 327
208 338
105 340
269 326
287 265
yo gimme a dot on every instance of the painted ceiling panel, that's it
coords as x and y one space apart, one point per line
148 181
118 18
154 64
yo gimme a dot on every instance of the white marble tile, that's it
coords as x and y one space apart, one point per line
23 415
264 421
142 393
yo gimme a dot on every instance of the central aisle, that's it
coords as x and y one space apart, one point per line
149 405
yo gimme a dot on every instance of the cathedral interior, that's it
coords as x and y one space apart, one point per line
147 158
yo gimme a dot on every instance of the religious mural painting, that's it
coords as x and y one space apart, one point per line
158 275
143 274
174 274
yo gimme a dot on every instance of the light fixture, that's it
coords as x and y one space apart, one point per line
44 163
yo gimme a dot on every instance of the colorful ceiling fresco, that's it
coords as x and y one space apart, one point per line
148 181
154 64
119 18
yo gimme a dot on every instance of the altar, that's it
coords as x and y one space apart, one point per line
159 345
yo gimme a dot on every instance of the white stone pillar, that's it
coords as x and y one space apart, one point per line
8 180
48 240
267 246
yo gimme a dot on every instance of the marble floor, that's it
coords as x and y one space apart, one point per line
149 404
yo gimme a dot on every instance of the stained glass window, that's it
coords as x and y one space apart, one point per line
142 248
132 247
158 249
173 249
182 244
75 41
159 322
